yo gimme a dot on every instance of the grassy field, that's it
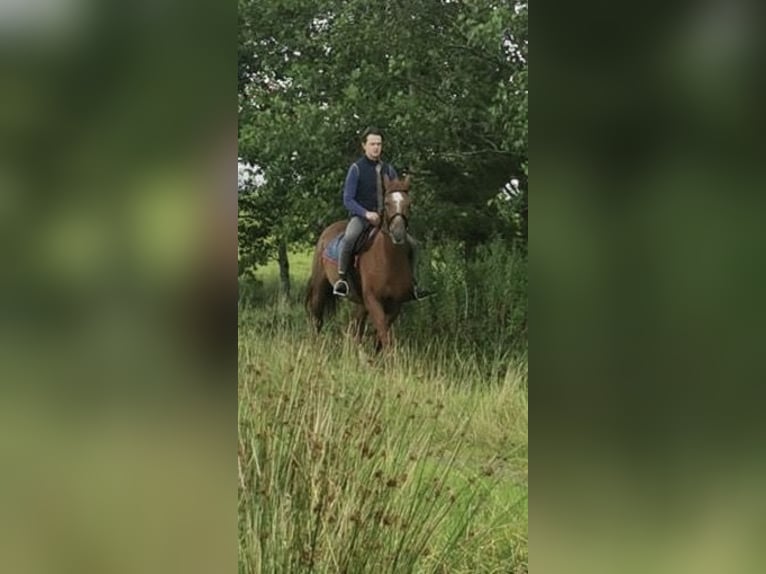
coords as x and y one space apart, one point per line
413 462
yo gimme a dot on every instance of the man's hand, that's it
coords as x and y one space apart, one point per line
372 217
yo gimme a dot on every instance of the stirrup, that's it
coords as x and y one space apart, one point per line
340 288
419 294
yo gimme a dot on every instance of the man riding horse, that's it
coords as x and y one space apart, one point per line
362 196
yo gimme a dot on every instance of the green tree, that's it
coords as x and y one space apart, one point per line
445 80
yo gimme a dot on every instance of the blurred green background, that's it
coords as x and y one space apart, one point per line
117 325
647 289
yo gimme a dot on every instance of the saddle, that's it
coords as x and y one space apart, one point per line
364 241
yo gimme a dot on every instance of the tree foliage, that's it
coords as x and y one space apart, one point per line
445 80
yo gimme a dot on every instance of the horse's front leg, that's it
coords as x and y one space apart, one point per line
360 318
391 314
379 319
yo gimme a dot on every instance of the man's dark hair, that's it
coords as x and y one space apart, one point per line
370 131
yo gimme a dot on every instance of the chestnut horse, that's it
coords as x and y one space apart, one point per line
382 280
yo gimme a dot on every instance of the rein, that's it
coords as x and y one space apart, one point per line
394 216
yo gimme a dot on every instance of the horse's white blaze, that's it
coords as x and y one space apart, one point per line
398 197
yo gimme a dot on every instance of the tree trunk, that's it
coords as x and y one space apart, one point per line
284 268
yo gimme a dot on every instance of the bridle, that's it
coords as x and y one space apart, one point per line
387 221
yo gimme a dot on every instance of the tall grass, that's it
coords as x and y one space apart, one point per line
345 467
481 301
479 312
412 462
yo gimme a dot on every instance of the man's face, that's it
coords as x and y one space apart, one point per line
373 146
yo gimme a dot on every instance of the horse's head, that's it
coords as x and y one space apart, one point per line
397 208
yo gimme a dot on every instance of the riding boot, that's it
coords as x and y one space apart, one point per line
417 293
341 288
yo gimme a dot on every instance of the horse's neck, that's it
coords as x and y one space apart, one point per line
386 245
383 252
387 267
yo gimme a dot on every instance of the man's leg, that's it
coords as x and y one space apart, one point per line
353 229
417 293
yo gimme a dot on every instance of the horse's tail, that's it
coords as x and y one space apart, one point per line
320 302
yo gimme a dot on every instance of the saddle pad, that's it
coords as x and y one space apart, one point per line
332 251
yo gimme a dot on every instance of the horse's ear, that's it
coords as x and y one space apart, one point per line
386 181
407 180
